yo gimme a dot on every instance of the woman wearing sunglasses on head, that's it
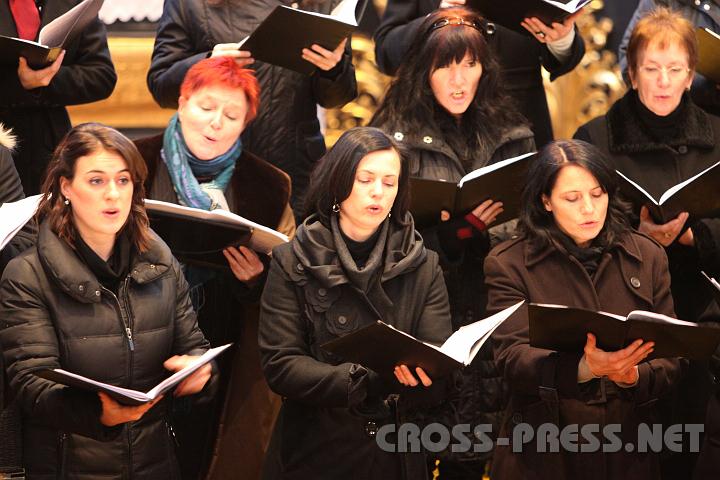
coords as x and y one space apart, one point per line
448 109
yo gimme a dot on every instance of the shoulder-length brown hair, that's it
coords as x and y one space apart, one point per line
83 140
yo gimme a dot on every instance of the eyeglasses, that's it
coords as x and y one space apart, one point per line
674 72
456 21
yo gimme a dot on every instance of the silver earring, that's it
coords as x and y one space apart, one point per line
66 202
335 207
390 214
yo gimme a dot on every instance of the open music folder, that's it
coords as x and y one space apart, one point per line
199 236
381 347
502 182
52 38
280 38
565 329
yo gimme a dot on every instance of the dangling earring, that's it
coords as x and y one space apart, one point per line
390 214
66 202
336 207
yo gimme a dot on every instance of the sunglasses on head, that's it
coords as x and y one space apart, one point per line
482 27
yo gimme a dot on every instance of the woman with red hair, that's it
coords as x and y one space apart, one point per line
199 161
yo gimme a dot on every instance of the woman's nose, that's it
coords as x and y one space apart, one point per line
377 189
587 205
456 77
111 191
216 121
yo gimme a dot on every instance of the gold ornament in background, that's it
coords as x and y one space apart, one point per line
371 88
130 105
595 84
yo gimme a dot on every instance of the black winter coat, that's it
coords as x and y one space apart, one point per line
315 293
38 117
544 388
286 131
658 166
520 57
480 394
55 314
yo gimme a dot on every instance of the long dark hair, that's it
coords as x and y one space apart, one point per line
333 178
83 140
537 223
410 98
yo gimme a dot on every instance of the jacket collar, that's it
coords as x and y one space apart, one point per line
626 135
535 253
325 258
62 264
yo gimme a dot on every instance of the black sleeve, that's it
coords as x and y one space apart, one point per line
557 68
11 191
583 134
395 33
173 54
338 86
706 233
86 75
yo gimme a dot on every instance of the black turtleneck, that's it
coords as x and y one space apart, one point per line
360 251
109 273
660 128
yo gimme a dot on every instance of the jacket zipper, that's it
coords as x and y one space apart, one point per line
127 324
126 321
61 456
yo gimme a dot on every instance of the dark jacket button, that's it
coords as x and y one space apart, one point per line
517 418
682 149
635 282
371 429
342 319
322 292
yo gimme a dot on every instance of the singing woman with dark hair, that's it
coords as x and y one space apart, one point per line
576 248
356 259
447 107
99 295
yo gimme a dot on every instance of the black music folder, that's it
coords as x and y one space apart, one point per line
565 329
198 236
127 396
501 182
381 347
280 38
510 13
52 38
698 195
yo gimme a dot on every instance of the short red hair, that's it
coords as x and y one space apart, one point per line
225 72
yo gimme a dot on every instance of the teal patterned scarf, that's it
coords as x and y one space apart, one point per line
184 168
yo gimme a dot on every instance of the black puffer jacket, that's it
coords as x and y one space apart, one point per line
286 131
315 293
55 314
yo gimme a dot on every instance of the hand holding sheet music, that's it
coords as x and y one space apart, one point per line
281 38
52 38
565 329
128 396
381 347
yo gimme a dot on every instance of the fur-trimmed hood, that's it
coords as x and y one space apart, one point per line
7 139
